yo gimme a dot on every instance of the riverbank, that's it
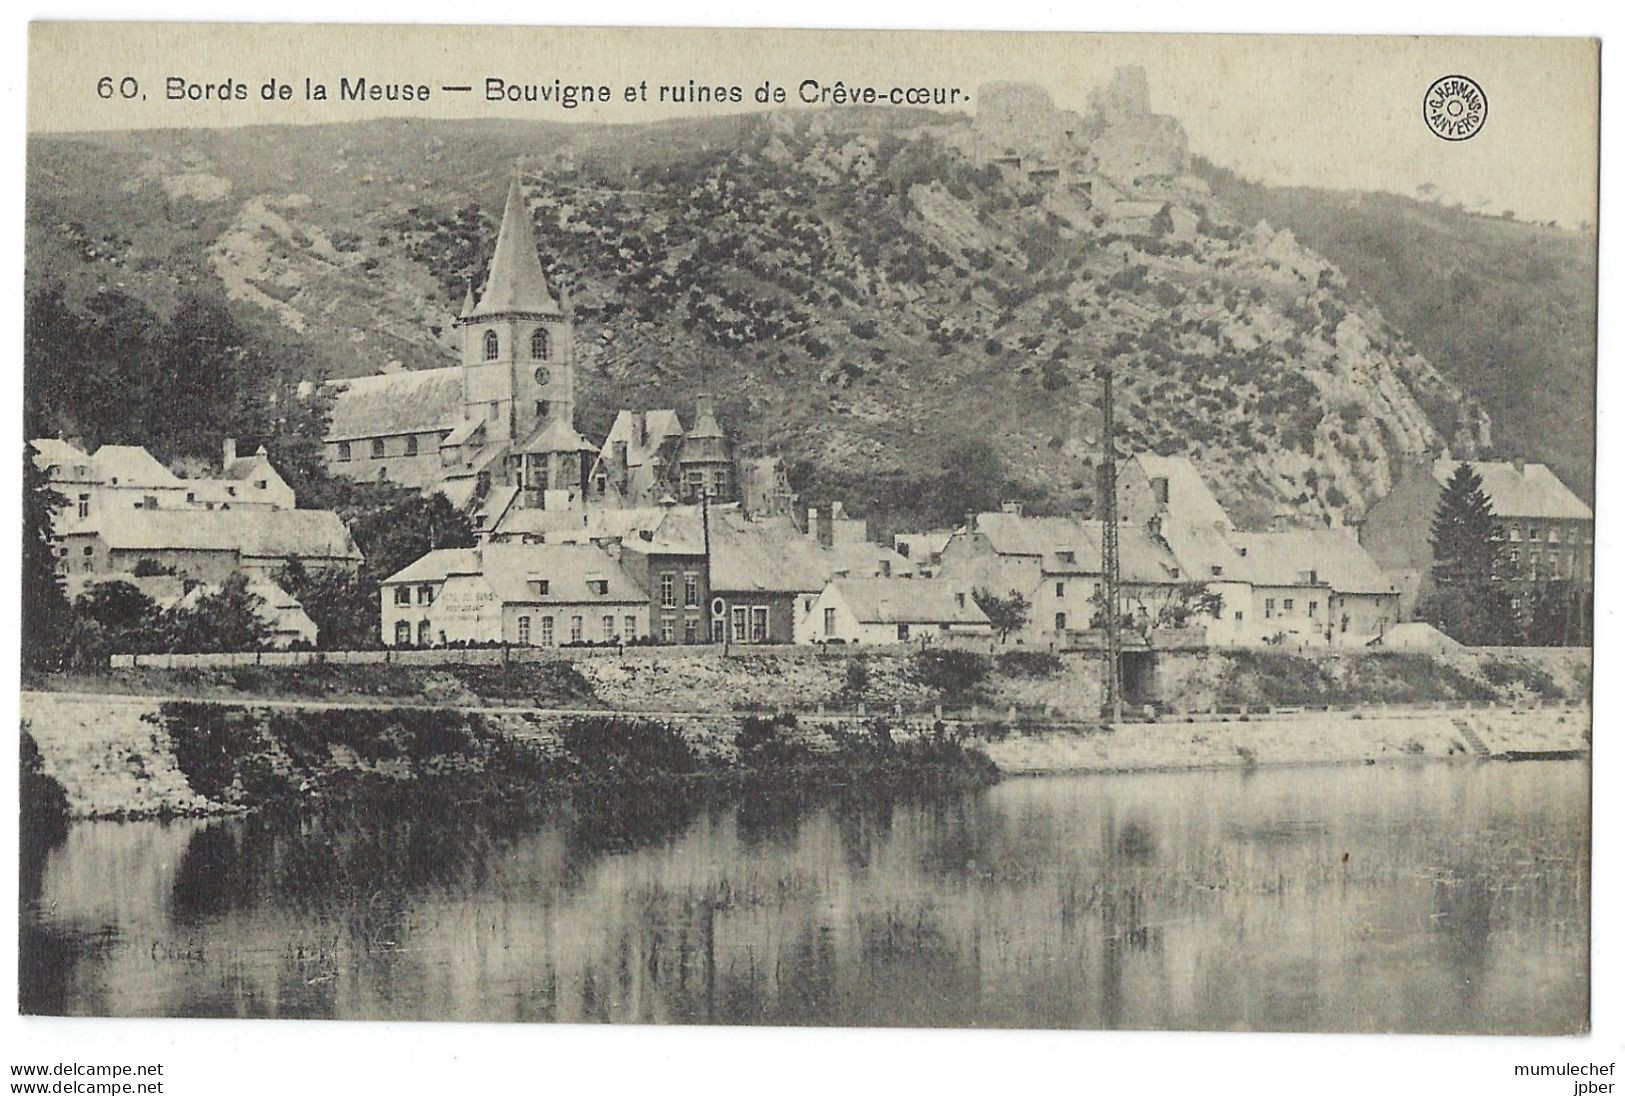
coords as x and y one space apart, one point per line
1037 685
129 756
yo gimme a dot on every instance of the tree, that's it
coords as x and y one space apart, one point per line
45 615
1007 614
228 620
129 620
1467 601
344 606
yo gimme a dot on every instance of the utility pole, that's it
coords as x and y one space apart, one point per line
1113 707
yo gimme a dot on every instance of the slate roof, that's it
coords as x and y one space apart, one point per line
1141 558
557 436
515 282
412 401
1338 560
1189 499
254 533
132 466
49 451
907 601
1533 493
508 570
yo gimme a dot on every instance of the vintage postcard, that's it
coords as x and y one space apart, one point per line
823 528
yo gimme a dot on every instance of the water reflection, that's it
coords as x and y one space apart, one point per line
1426 898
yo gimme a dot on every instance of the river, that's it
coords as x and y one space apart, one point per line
1405 897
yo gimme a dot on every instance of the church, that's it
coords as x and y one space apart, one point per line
497 431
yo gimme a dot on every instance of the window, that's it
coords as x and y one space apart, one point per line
411 449
84 506
609 628
629 628
1238 615
719 483
829 622
547 631
524 631
691 629
426 594
902 633
668 628
377 448
575 629
959 599
693 483
496 410
344 450
539 344
599 586
403 595
1067 556
1060 622
691 590
668 590
149 502
260 485
1060 589
542 409
738 622
1313 605
1269 607
1286 605
491 347
403 633
758 624
1512 555
542 586
423 633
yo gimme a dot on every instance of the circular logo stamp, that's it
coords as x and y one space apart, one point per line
1455 108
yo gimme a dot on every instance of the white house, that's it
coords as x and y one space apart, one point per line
536 595
895 610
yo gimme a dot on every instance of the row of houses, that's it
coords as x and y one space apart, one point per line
126 517
672 574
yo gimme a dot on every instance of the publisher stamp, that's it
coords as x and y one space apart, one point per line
1455 108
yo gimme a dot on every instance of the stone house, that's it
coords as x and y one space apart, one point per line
527 595
1547 533
1312 587
206 545
1056 564
874 611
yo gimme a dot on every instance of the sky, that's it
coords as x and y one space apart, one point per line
1329 111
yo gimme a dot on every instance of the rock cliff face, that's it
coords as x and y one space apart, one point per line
863 289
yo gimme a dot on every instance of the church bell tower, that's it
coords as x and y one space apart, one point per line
518 342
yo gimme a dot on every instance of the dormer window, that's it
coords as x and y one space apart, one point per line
344 450
599 586
541 586
411 449
259 485
539 344
491 347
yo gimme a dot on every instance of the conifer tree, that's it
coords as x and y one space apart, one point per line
1467 602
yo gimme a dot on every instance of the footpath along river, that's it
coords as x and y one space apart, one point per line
1398 896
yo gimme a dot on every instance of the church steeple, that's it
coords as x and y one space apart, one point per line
515 283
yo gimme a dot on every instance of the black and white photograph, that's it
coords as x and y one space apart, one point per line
809 529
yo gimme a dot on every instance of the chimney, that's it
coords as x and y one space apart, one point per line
812 521
1518 466
826 528
619 458
640 429
704 405
837 511
1159 490
228 452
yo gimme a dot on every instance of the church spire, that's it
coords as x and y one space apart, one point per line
516 282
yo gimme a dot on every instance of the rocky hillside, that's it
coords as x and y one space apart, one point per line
1506 310
875 294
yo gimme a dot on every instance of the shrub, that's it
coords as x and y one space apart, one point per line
766 742
954 675
610 744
